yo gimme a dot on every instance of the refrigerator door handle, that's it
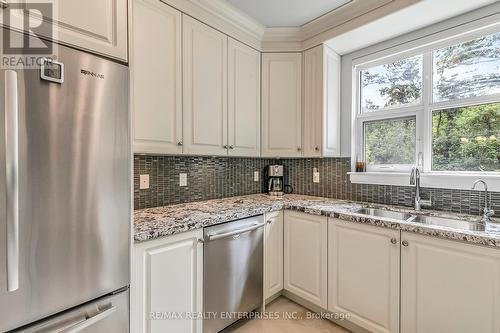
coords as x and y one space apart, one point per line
89 321
12 178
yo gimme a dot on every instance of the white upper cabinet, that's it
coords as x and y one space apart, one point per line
243 99
305 256
363 274
167 278
204 89
98 26
282 104
273 254
156 81
448 286
321 102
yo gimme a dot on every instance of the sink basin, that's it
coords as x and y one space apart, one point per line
446 222
384 213
429 220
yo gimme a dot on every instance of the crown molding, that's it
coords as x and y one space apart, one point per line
339 16
223 16
368 16
347 17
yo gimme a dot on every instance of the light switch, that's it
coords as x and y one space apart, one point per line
143 182
315 175
183 179
256 176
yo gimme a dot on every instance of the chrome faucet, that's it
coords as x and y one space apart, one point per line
487 212
415 180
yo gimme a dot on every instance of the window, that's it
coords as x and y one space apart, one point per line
437 107
467 69
392 85
390 142
466 139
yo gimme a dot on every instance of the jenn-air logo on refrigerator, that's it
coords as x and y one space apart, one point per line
92 74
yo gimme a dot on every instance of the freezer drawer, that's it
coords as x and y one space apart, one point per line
109 314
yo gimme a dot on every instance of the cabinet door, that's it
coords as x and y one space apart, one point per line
305 255
98 26
331 100
321 102
448 286
363 274
282 104
313 101
205 89
243 99
167 278
156 77
273 254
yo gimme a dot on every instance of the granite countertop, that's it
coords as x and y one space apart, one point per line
158 222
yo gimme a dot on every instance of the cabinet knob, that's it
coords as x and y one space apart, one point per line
269 221
299 149
316 148
394 241
231 147
404 243
4 4
179 143
200 241
225 147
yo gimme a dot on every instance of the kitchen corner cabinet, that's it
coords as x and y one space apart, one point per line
281 104
449 286
273 254
321 113
363 274
156 77
305 256
167 278
204 89
98 26
243 100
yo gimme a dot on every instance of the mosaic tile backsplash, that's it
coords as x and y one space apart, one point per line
220 177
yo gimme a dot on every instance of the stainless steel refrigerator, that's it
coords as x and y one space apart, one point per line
65 163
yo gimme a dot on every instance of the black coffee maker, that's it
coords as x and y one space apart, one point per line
275 182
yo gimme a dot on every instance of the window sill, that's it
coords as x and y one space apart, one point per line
435 180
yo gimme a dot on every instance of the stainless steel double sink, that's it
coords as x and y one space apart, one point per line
429 220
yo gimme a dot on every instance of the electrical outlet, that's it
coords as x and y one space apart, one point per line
315 175
183 179
256 176
143 182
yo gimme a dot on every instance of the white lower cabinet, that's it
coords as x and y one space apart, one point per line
449 286
273 254
305 255
167 278
363 274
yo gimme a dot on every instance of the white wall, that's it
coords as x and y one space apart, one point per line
436 31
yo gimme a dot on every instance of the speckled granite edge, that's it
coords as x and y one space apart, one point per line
152 223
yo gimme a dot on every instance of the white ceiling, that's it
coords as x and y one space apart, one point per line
286 13
414 17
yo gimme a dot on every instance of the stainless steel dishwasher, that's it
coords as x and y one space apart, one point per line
232 271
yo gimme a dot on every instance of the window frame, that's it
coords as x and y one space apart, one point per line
423 111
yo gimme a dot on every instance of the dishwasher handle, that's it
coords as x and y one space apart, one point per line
234 232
